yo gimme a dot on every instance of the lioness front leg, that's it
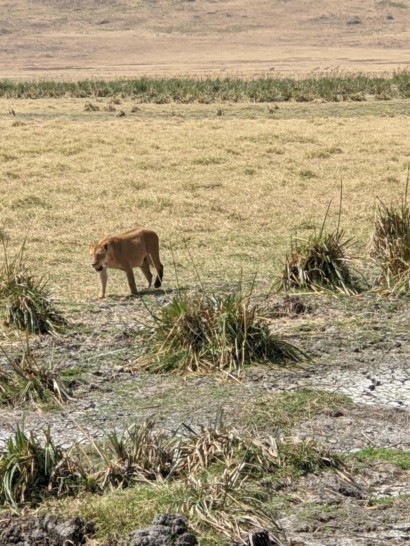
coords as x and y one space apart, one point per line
103 282
146 270
131 281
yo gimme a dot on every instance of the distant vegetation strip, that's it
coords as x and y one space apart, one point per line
331 87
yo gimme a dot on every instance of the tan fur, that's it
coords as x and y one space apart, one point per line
135 248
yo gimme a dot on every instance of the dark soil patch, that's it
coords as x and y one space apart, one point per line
45 531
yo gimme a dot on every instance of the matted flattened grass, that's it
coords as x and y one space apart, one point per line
232 188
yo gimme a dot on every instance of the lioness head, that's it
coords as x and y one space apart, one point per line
99 255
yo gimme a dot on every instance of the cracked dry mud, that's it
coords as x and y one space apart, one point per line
359 347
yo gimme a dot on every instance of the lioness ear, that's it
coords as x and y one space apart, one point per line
106 246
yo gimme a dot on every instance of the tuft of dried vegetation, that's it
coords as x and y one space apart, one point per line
27 300
320 261
90 107
198 332
391 244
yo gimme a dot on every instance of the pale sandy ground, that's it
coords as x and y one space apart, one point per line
72 39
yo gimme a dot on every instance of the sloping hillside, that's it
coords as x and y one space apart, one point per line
100 38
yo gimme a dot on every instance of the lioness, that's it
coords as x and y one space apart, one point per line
135 248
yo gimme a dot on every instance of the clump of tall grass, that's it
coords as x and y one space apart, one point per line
141 453
199 332
31 470
391 244
319 262
24 378
27 300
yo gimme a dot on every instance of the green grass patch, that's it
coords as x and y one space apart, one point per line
116 513
282 412
401 459
389 501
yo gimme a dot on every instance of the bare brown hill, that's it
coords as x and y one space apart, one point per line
100 38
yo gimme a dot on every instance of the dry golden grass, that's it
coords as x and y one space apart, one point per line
234 187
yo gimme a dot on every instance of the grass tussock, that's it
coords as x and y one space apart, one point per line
26 379
26 299
320 261
31 470
391 245
317 263
199 332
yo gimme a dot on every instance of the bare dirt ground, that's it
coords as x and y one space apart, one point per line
62 39
359 348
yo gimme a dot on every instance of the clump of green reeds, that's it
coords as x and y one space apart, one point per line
141 453
319 262
198 332
329 85
391 244
24 378
30 469
27 301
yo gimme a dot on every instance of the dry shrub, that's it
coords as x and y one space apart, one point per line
90 107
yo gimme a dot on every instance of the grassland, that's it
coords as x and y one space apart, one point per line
228 189
225 185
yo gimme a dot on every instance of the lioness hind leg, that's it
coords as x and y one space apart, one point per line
147 272
154 260
158 280
131 281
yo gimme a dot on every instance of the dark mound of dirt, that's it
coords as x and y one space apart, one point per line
165 529
44 531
